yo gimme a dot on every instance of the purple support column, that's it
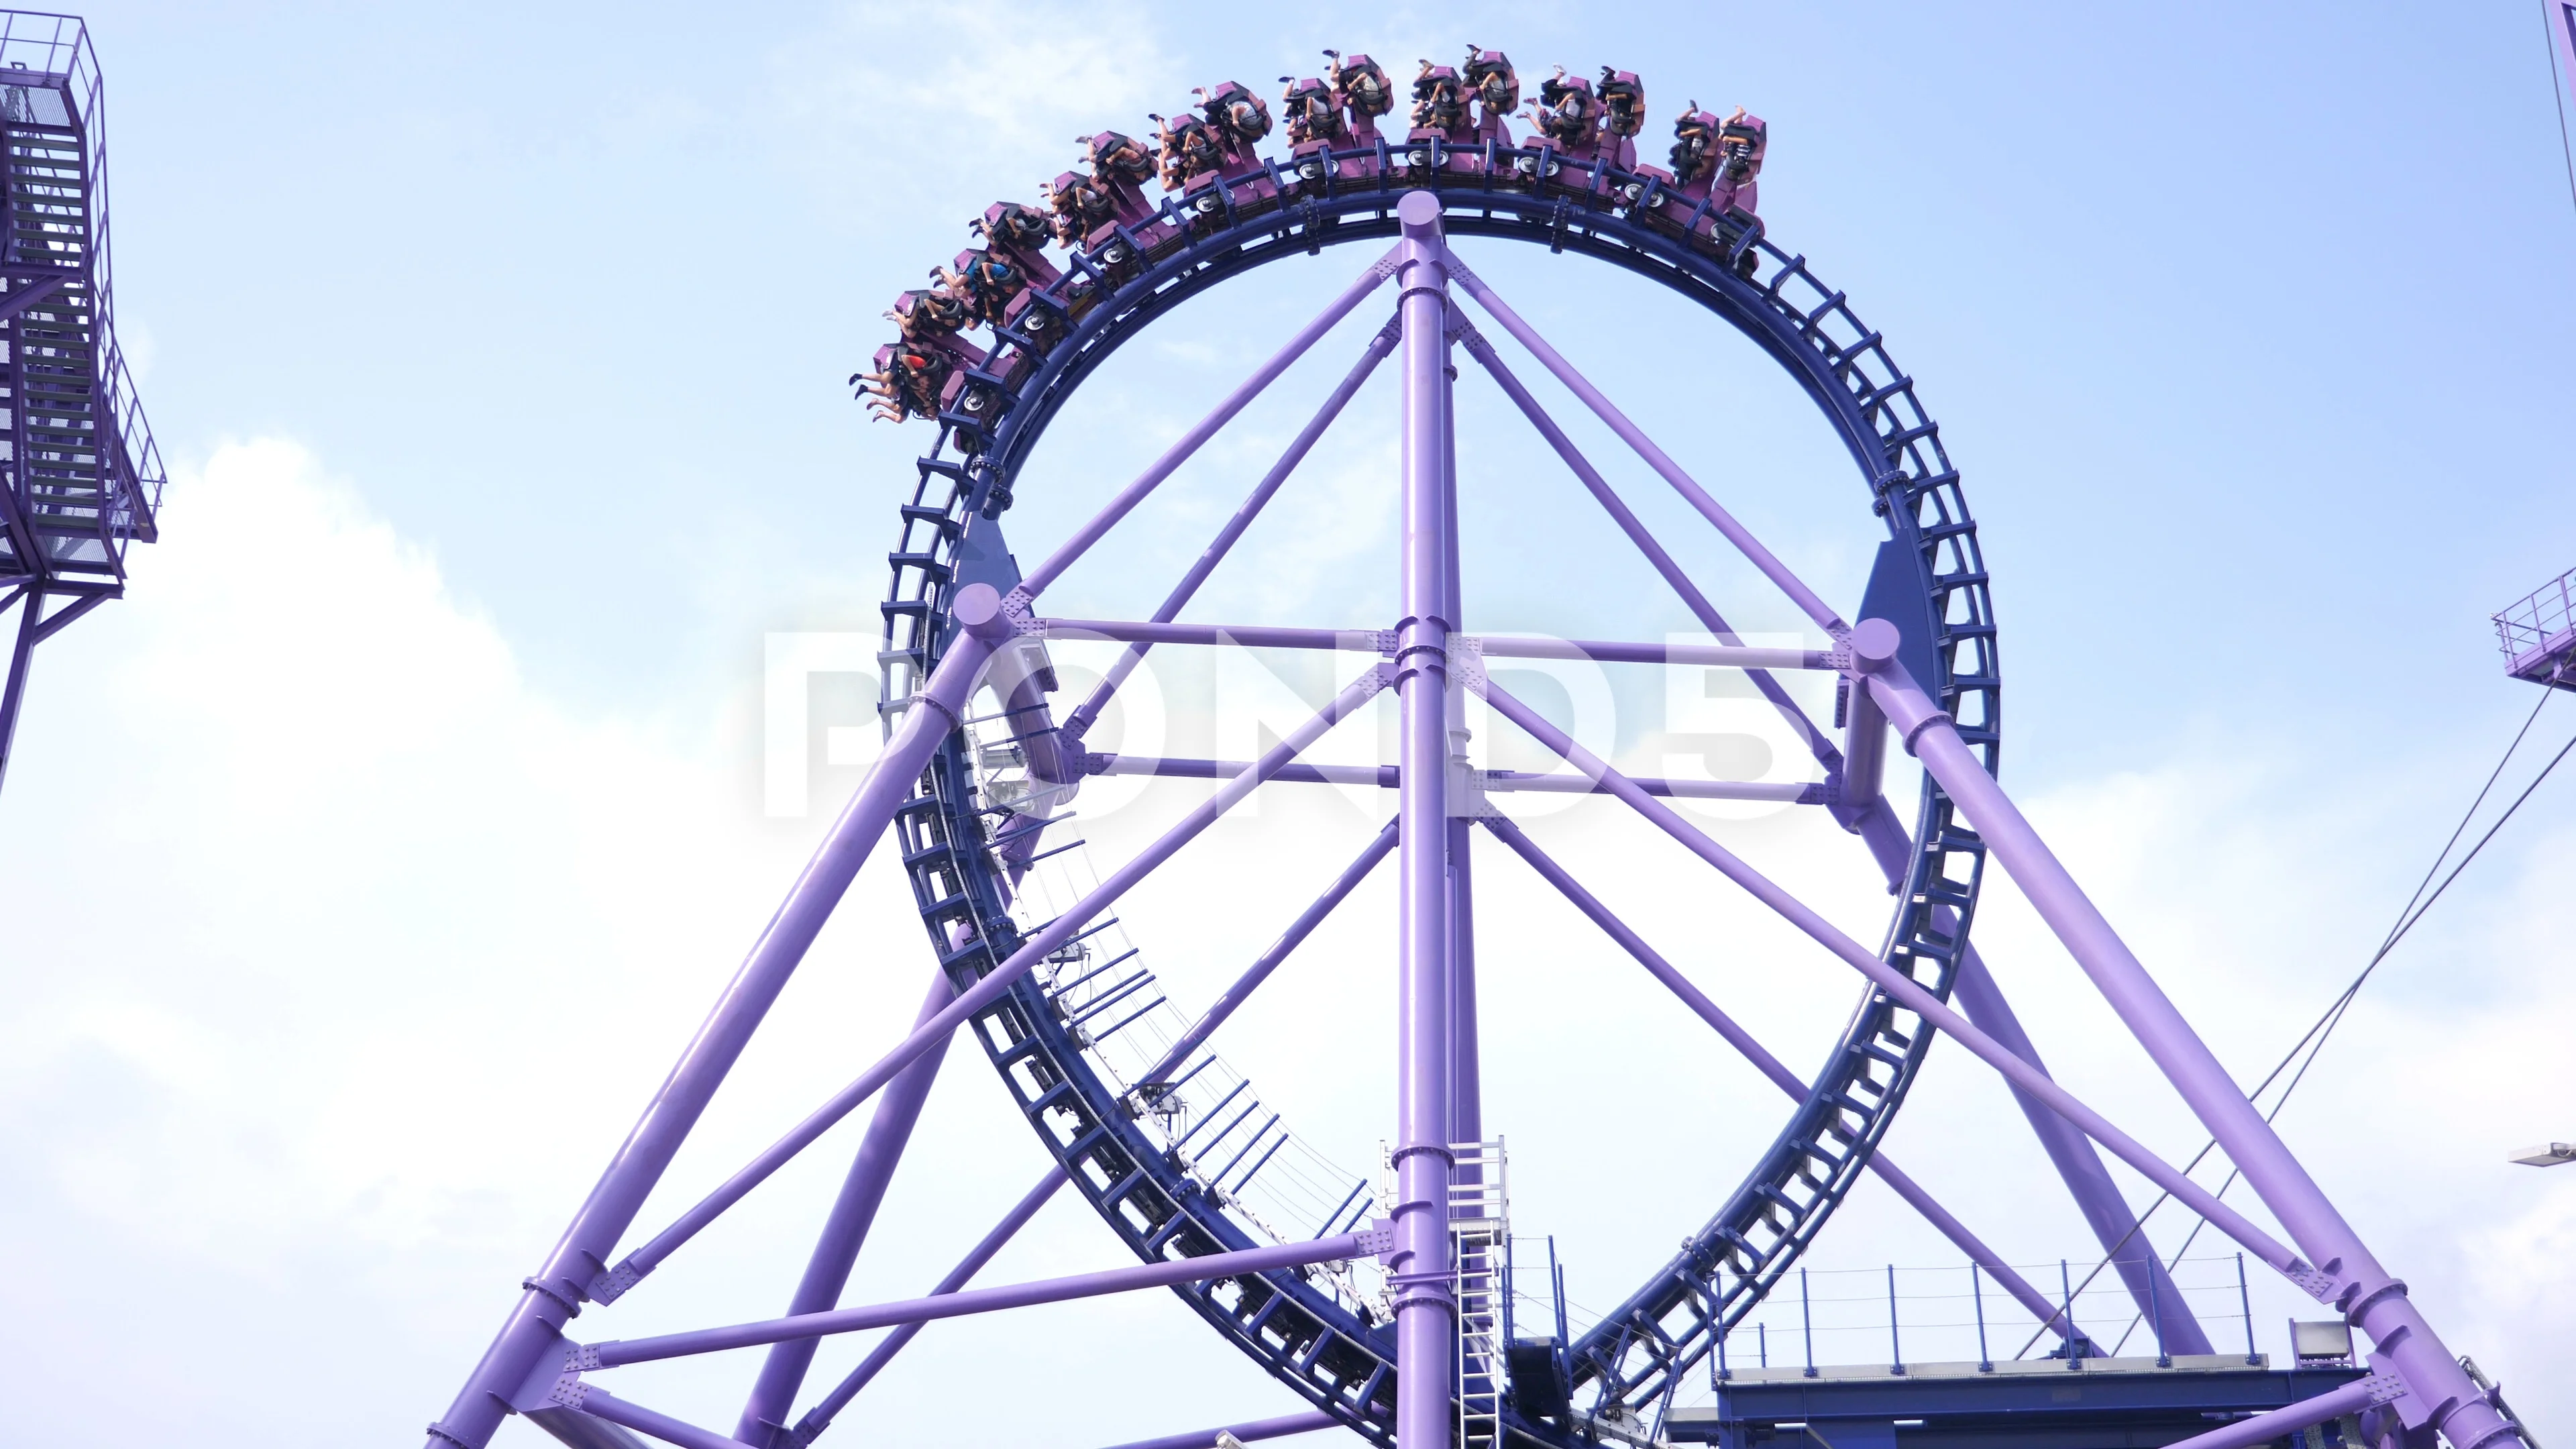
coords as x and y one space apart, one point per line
1466 1074
2087 1180
2078 1162
764 1415
1425 1313
2281 1423
2359 1286
1080 721
550 1297
2049 1314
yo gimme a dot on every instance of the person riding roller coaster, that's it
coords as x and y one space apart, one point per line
1568 114
1311 111
906 382
985 283
1239 118
1187 148
1362 87
1439 99
1497 88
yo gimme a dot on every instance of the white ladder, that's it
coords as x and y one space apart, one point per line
1479 1232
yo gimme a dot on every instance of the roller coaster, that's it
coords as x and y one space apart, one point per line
1386 1301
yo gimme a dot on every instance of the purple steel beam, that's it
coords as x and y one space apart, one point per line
1258 1429
2096 1196
599 1403
1736 533
1389 777
2351 1398
2078 1162
1466 1069
764 1414
574 1269
1190 442
1080 721
1500 646
2351 1278
31 608
1425 1311
619 1352
819 1418
1697 602
2051 1315
985 992
1906 990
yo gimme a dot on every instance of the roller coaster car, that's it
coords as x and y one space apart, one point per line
973 402
1311 112
1077 206
1568 116
1240 119
1363 88
987 282
1497 88
931 318
1039 318
1440 103
906 382
1020 233
1740 144
1623 114
1120 168
1208 199
1186 149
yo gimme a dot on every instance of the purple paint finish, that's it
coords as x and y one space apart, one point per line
2087 1180
985 992
1080 721
1389 777
1190 442
819 1418
1760 557
618 1352
536 1322
1246 1433
764 1414
601 1404
2048 1314
2359 1286
1501 646
1697 602
1904 989
2280 1423
1425 1311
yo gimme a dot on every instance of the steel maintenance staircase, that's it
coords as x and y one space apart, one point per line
80 477
1479 1233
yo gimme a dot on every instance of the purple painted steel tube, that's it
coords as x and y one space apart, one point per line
1388 777
617 1352
1818 743
1635 437
2368 1297
1247 636
573 1269
1257 1429
2078 1162
1500 646
2280 1423
1425 1313
1466 1070
985 992
2087 1180
601 1404
818 1418
1289 940
1770 1066
1081 720
1907 991
764 1414
1190 442
13 686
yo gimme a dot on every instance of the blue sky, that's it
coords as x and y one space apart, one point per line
376 853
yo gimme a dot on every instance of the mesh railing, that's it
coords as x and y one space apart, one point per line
2529 627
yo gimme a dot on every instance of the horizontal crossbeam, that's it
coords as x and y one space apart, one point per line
1201 1269
1380 641
1389 777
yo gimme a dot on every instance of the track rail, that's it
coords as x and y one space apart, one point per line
1305 1331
